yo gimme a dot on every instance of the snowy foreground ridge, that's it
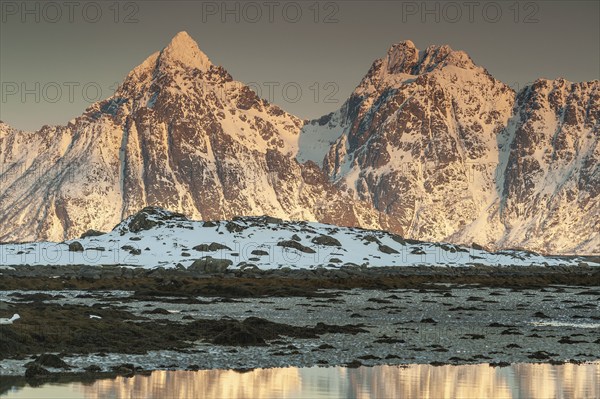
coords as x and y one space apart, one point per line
155 237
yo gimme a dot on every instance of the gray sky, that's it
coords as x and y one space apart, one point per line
53 68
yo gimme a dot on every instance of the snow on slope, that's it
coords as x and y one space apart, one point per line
452 154
429 146
178 133
155 237
417 139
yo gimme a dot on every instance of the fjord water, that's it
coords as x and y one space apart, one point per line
478 381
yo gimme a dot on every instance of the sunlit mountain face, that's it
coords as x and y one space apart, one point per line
424 381
429 146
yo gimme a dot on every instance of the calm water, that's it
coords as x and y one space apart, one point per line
414 381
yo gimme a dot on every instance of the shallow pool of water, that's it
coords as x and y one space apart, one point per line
413 381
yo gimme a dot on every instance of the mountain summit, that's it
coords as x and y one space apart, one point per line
183 50
178 133
429 146
405 58
450 153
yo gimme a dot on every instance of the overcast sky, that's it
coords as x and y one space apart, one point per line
84 48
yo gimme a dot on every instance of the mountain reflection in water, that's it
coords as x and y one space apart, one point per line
423 381
415 381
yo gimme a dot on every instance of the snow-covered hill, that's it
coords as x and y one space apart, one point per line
155 237
429 146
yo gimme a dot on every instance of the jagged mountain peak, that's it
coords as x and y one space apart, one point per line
177 136
561 82
182 38
183 50
4 125
436 107
182 53
5 129
441 56
401 57
405 58
404 63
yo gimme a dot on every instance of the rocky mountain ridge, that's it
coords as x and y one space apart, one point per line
429 146
178 133
450 153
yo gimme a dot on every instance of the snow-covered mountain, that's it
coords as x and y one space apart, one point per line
450 153
178 133
155 237
429 146
550 159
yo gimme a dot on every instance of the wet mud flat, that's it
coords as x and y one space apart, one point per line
96 328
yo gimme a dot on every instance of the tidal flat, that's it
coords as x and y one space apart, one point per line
227 324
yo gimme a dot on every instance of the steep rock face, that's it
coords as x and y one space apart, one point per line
547 175
178 133
450 153
551 182
417 139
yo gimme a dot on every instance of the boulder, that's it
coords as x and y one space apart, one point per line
132 250
295 245
387 250
371 238
272 220
51 360
248 267
234 227
149 218
210 265
326 240
75 246
215 246
92 233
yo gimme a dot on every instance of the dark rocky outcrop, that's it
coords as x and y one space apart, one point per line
210 265
326 240
296 245
212 247
92 233
75 246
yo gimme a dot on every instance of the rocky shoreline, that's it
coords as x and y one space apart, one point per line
122 321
